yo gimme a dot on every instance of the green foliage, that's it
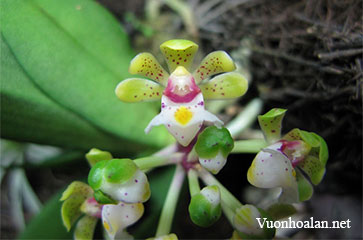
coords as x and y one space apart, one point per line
61 62
213 140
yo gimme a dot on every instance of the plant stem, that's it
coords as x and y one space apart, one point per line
227 197
194 187
157 161
228 212
249 146
171 200
245 118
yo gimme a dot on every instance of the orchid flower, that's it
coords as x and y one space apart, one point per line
182 93
281 163
106 198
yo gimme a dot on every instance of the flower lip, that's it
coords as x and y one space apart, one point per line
181 86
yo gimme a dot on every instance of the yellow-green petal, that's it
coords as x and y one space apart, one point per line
138 90
214 63
270 124
85 228
95 155
77 188
145 64
179 52
71 210
225 86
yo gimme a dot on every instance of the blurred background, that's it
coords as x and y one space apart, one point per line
305 56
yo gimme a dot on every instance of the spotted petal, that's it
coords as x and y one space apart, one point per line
116 218
145 64
214 63
270 124
138 90
183 120
179 52
271 169
224 86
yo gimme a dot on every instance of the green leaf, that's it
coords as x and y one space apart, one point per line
48 223
270 124
280 210
29 115
75 53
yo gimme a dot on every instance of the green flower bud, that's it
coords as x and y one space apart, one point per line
205 207
120 180
270 124
95 155
213 147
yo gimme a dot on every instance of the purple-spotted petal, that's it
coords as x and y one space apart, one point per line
179 52
271 169
145 64
214 63
116 218
225 86
138 90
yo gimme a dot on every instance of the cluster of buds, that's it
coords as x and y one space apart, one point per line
118 187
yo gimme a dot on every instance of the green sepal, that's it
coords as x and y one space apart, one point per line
77 188
202 211
280 210
304 187
214 140
85 228
95 155
71 210
95 176
270 124
268 233
119 170
314 163
103 198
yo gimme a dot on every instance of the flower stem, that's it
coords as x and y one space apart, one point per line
194 187
245 118
157 161
227 197
171 200
249 146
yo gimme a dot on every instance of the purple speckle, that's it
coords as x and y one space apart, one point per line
201 103
163 105
218 163
182 137
125 193
262 160
261 173
136 180
205 160
122 204
286 169
127 216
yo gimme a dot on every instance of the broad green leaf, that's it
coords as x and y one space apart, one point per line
280 210
29 115
48 223
76 53
270 124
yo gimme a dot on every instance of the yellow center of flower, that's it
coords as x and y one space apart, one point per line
183 115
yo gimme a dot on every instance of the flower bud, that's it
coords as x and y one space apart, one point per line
205 207
120 180
213 147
